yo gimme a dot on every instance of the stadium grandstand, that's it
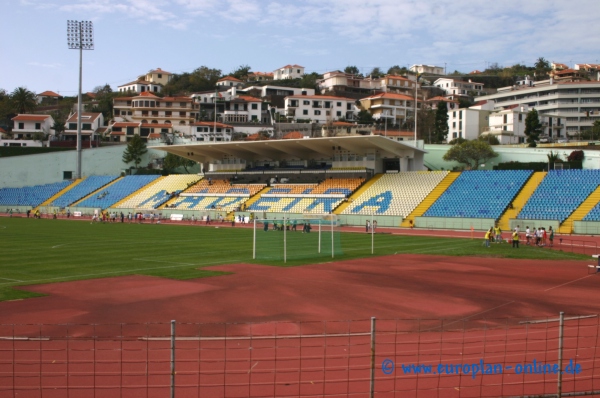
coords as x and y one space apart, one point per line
356 178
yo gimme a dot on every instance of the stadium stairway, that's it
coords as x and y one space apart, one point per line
254 198
356 194
588 204
59 194
92 193
115 205
521 198
430 199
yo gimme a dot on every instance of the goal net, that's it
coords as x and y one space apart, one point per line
308 236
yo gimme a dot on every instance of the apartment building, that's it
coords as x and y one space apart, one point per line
390 107
346 84
155 114
153 81
288 72
566 108
508 125
454 88
211 131
319 108
427 69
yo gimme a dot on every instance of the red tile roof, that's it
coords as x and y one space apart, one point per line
147 94
2 130
256 137
247 98
158 70
32 118
117 133
291 66
49 94
440 98
226 78
139 81
92 117
294 135
91 95
343 124
154 135
268 74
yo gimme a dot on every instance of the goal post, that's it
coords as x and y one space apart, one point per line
296 237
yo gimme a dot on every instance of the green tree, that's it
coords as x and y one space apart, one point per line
471 153
542 68
5 109
136 148
172 162
104 101
397 70
364 117
591 134
352 70
201 79
553 158
533 127
23 100
59 127
241 72
310 80
490 139
458 140
440 126
39 136
376 73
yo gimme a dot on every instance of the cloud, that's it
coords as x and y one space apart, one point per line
42 65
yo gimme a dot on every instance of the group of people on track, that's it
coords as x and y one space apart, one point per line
538 237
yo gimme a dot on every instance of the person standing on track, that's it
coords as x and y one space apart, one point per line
551 237
487 237
515 238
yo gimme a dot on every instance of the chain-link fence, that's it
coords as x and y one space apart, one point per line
542 357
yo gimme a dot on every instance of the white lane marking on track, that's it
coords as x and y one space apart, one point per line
554 287
54 247
252 367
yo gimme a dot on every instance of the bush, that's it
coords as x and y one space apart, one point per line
575 156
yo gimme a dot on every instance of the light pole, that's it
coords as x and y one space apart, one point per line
80 36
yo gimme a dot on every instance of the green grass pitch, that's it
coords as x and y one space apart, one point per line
47 251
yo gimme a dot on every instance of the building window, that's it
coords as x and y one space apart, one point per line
520 117
72 126
86 126
155 89
160 75
38 126
21 126
305 112
305 102
255 106
338 113
454 114
339 104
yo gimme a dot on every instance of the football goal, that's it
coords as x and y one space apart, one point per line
307 236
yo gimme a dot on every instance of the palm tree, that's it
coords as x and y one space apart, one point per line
23 100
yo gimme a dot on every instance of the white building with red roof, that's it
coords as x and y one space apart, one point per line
454 88
48 95
260 76
154 114
92 125
153 82
211 131
25 125
288 72
229 81
319 108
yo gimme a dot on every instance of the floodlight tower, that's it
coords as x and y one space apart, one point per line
80 36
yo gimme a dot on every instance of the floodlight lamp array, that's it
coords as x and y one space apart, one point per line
80 35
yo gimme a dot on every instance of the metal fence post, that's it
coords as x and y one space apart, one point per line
372 385
561 324
172 359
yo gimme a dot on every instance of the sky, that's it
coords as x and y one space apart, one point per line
135 36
